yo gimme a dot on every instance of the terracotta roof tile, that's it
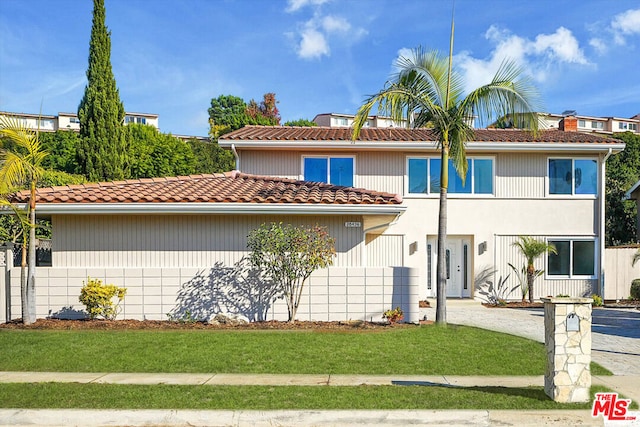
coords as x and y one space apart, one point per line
231 187
293 133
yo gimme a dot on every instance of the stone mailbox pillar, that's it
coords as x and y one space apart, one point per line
567 325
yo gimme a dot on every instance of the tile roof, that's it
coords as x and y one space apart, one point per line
230 187
295 133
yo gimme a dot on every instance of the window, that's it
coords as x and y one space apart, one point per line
575 258
622 125
582 123
331 170
597 125
573 176
633 126
423 175
341 122
74 120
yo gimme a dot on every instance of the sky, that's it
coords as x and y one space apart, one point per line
172 57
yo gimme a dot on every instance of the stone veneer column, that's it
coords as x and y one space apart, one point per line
567 376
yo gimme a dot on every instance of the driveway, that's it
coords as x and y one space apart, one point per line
615 332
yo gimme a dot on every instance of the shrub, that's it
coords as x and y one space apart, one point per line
597 300
98 299
635 289
393 316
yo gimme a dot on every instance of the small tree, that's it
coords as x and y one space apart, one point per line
288 255
532 248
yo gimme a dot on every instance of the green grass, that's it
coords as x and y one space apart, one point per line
110 396
420 350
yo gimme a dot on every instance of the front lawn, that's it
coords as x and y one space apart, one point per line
111 396
419 350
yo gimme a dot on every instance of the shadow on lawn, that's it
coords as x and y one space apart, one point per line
536 393
237 290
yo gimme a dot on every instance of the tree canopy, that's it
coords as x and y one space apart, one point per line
101 152
228 113
623 170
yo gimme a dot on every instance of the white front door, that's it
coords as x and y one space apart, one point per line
453 269
457 266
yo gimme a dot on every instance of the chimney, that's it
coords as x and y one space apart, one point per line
569 124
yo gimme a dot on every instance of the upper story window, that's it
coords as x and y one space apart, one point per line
582 123
74 120
340 121
573 176
574 258
334 170
423 176
134 119
597 125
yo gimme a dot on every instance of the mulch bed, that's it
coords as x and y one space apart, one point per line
59 324
516 304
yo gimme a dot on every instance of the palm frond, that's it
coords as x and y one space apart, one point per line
510 94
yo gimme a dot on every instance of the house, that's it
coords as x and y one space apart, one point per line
177 244
70 121
550 187
592 124
346 121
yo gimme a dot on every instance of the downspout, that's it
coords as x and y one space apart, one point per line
235 155
603 168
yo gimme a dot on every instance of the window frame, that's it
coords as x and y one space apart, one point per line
573 193
328 157
571 276
450 194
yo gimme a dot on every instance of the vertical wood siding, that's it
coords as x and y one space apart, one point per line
384 250
520 175
284 164
178 240
380 171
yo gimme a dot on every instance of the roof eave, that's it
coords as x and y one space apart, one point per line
421 146
217 208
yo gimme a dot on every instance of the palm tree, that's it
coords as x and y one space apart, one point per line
23 166
532 249
426 92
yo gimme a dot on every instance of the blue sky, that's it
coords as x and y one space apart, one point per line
171 57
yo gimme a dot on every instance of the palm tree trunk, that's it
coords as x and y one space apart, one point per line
31 277
23 281
530 274
441 276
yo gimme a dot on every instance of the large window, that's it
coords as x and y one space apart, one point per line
575 258
573 176
331 170
423 176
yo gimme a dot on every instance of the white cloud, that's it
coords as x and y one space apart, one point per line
539 57
598 44
313 44
332 24
295 5
561 45
625 24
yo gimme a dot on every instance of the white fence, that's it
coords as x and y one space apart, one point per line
619 273
188 293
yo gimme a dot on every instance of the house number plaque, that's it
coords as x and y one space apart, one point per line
353 224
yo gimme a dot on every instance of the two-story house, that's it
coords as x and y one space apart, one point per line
177 244
550 187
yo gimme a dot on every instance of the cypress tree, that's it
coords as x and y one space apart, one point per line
101 152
